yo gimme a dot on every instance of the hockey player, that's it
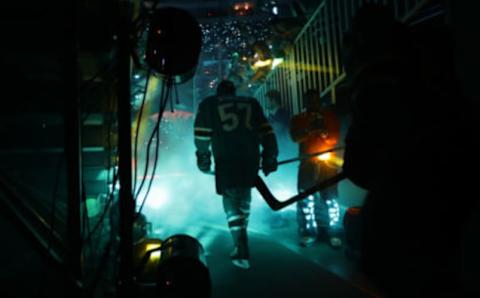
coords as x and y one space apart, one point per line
233 128
279 117
317 129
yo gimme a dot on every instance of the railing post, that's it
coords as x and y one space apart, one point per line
319 43
73 150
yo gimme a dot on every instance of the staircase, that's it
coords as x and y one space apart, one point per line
47 49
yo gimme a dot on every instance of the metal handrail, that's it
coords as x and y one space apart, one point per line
315 60
36 225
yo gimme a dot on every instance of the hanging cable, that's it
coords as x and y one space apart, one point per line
85 219
105 209
171 101
169 87
177 98
157 149
137 130
111 193
164 95
147 156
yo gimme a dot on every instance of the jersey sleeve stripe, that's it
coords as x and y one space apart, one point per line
203 133
203 129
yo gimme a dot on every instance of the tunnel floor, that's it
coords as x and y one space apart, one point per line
279 266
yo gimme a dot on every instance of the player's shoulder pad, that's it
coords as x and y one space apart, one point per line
208 101
248 99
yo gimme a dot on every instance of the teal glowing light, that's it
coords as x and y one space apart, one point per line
93 208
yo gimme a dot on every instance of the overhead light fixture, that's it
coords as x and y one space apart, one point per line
243 8
168 55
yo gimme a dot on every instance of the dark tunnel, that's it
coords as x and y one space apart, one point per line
233 149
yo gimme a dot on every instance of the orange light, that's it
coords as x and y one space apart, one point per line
331 159
337 161
325 156
236 7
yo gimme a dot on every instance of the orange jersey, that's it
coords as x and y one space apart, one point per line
315 131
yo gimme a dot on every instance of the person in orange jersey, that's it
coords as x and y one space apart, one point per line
317 129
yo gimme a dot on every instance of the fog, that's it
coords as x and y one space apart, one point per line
183 199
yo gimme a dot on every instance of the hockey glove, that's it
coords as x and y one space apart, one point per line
269 165
203 161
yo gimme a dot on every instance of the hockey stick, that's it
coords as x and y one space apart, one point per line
275 204
307 156
301 157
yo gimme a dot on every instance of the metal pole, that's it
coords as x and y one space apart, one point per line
329 46
73 151
126 202
194 95
318 63
307 156
294 81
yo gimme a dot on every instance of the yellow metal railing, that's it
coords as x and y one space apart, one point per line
315 60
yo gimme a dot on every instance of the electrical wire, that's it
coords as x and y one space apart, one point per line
85 219
105 210
141 24
101 260
112 191
147 157
164 94
171 101
157 149
137 130
177 98
155 162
